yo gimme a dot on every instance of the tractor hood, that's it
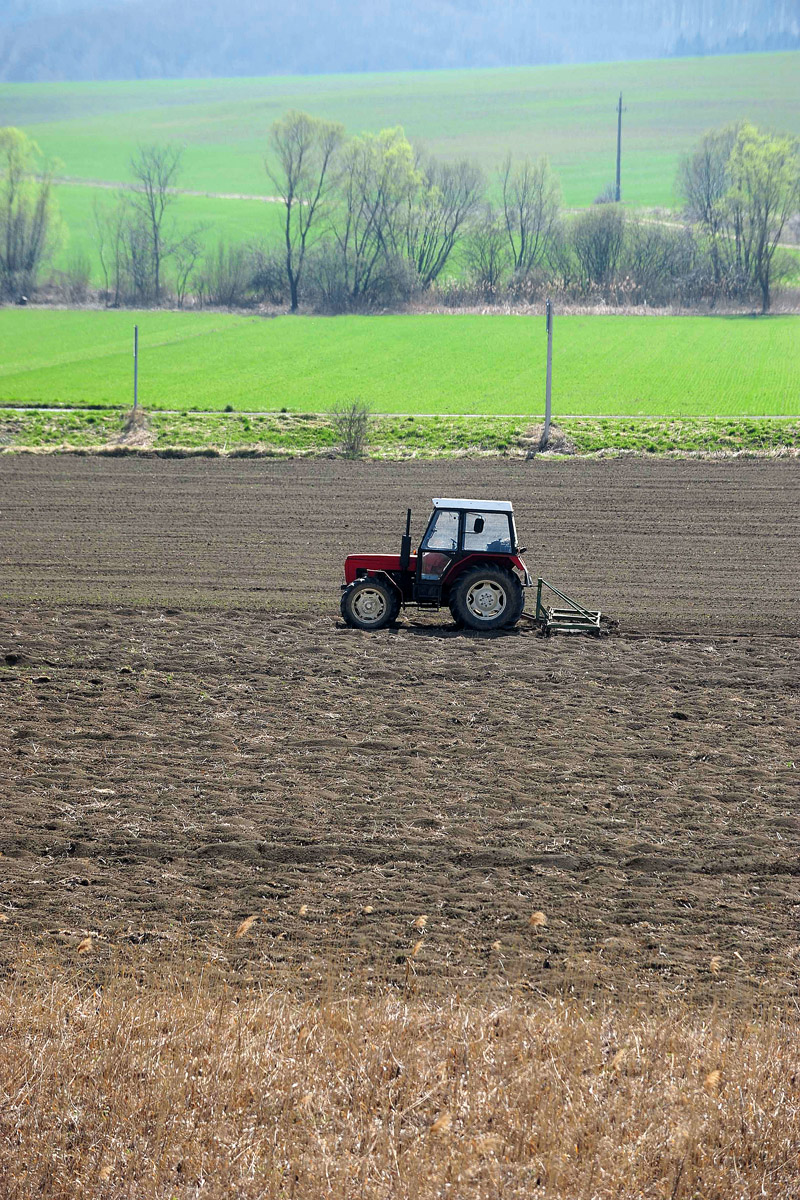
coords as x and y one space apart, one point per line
358 564
365 564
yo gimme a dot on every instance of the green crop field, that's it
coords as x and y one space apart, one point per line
565 112
483 365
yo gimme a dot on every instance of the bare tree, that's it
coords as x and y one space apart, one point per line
377 183
704 182
742 186
155 169
139 266
486 251
186 256
110 242
765 190
124 244
448 196
136 236
25 212
531 202
304 149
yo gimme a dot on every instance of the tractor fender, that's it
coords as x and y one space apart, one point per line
386 577
502 562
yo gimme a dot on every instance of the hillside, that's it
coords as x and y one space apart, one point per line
565 112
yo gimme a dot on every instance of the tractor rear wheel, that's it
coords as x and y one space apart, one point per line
370 604
487 598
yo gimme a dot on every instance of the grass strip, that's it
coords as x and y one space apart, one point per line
391 437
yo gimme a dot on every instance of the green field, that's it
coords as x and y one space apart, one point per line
483 365
566 112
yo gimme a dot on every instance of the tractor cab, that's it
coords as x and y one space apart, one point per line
462 527
468 561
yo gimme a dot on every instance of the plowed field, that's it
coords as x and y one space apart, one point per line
190 736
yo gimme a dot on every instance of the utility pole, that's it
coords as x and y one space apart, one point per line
619 147
135 366
549 320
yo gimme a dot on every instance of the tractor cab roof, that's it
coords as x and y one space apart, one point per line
474 505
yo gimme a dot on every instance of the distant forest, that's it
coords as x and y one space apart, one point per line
44 40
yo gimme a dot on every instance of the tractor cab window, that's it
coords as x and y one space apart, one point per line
439 544
489 532
442 532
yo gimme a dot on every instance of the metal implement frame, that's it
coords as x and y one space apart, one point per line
575 619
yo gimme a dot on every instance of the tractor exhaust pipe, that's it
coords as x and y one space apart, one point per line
405 544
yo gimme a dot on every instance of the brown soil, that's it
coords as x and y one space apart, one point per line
688 546
190 735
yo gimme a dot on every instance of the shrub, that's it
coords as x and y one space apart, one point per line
333 285
350 421
224 279
608 195
597 239
267 269
75 281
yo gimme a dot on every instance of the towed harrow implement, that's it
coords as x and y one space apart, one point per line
572 619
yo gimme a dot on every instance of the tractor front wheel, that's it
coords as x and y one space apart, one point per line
487 598
370 604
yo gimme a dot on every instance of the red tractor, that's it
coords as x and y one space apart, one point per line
468 560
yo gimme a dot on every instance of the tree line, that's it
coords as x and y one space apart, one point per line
372 222
106 39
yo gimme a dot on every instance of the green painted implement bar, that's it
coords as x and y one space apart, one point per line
575 619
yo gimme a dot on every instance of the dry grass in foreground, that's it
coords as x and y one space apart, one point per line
172 1087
